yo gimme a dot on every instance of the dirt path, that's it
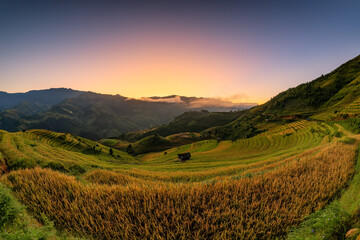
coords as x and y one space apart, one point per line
348 133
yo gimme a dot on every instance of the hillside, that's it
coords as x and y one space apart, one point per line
320 97
332 96
153 143
193 121
58 151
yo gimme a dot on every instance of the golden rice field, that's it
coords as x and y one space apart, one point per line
254 188
261 207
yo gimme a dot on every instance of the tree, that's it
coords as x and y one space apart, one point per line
130 150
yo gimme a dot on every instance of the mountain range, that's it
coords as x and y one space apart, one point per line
35 101
94 115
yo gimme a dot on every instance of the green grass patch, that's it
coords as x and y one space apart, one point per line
16 224
347 140
334 220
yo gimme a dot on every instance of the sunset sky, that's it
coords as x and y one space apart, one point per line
245 51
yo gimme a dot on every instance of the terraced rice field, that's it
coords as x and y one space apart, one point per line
288 128
210 158
65 141
353 108
254 188
253 155
41 147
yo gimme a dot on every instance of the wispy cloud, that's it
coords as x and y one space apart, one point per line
217 102
175 99
235 98
238 100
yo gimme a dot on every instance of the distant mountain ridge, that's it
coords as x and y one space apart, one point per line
89 114
36 100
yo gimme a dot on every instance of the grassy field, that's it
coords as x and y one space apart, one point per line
255 188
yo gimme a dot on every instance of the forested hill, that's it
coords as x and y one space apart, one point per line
335 95
328 93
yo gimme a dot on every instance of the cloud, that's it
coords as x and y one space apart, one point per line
175 99
220 102
236 98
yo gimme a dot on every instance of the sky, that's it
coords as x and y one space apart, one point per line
243 51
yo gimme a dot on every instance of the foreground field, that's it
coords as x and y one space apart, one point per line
261 207
253 188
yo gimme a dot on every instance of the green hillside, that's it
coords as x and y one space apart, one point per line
331 96
193 121
152 143
320 97
59 151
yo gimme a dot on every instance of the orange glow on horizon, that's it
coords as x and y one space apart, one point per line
148 64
